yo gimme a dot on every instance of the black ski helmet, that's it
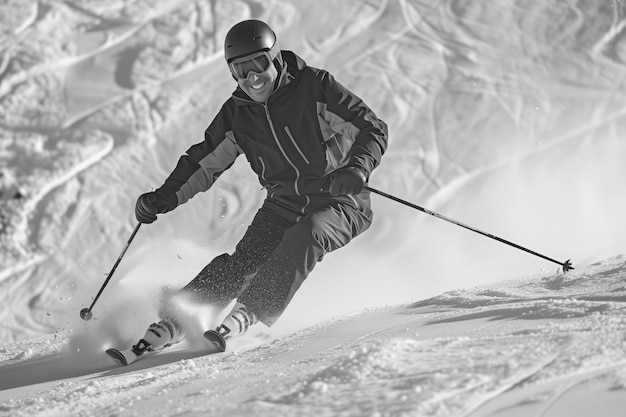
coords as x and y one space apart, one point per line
251 36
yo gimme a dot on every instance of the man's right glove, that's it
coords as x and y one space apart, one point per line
146 207
349 180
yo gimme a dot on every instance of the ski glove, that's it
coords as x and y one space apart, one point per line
147 207
348 180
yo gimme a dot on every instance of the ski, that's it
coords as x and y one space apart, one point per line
125 357
143 349
216 339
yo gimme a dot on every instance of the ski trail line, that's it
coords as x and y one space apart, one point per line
585 377
520 378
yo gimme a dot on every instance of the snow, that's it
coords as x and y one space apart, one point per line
551 345
505 117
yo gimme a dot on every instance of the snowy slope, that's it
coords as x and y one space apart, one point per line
507 116
547 346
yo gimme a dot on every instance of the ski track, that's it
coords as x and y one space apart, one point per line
23 235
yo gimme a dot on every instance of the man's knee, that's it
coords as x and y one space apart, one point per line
335 228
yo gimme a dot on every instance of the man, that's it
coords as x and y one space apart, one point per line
313 145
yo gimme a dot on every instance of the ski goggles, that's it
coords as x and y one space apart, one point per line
258 62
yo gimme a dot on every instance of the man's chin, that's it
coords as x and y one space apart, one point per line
259 95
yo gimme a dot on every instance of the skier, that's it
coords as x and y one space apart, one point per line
313 145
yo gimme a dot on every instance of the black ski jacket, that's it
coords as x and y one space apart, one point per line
309 127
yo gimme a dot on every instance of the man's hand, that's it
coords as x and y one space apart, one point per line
348 180
145 209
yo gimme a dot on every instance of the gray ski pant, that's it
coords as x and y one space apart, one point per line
278 251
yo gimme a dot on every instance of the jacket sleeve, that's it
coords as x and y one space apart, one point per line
203 163
371 140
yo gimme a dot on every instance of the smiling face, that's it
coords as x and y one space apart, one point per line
258 86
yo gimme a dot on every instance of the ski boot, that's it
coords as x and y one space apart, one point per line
159 336
163 334
236 323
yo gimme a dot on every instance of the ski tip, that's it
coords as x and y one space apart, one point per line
216 339
117 356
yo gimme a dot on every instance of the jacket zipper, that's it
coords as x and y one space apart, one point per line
293 141
267 187
282 150
262 168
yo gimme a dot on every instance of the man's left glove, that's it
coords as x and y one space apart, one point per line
147 207
349 180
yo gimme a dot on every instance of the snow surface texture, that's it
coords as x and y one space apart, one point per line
506 117
551 346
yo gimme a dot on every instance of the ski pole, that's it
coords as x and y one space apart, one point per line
86 313
567 265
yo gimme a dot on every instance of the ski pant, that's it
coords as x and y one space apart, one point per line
276 254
